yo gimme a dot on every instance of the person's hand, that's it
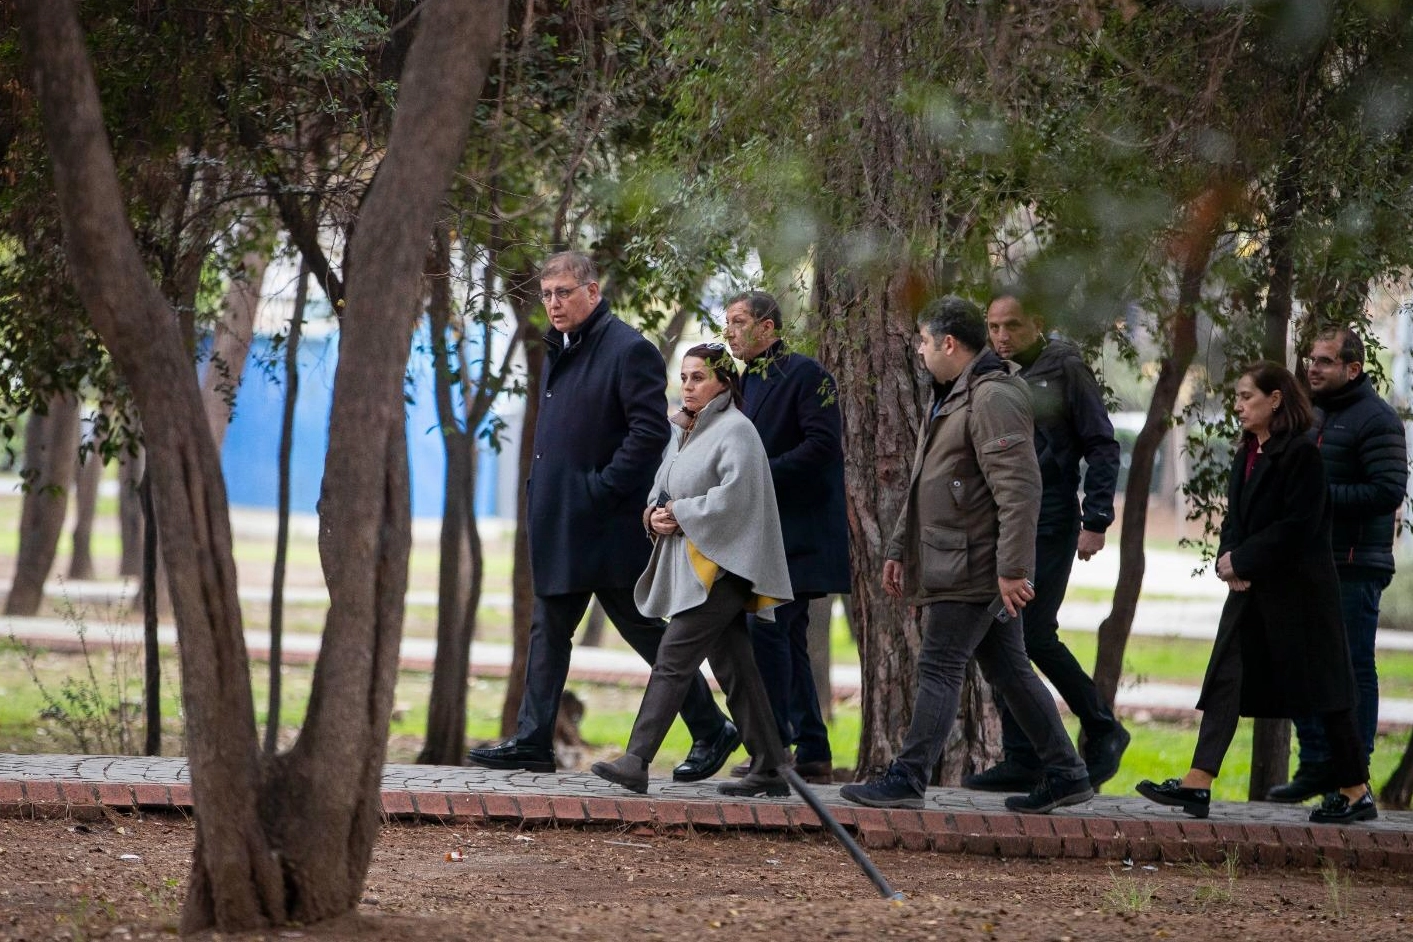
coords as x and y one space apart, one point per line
893 578
1015 593
1225 572
662 521
1238 585
1089 543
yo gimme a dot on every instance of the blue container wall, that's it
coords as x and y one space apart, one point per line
250 456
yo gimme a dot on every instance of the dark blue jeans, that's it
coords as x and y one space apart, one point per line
1054 558
1359 606
952 633
783 658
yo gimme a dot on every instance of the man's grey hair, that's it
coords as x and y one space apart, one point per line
576 265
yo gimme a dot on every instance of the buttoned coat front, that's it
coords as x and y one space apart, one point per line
974 496
1294 657
598 440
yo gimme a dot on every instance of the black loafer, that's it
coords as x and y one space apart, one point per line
1337 809
512 755
1309 780
708 755
1195 801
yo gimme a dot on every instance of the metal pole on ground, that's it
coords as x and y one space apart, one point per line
841 835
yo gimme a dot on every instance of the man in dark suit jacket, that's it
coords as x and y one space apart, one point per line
599 440
794 405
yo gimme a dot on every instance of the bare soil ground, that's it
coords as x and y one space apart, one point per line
123 879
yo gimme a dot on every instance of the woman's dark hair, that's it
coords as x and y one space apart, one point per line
1294 417
718 360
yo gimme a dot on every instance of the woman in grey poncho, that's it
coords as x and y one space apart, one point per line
718 554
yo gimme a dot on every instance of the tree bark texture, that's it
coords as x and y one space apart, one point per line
289 839
230 348
868 331
51 463
1192 250
1398 790
131 468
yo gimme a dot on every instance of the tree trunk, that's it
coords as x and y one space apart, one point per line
446 708
131 468
1398 790
821 612
1192 249
51 460
151 653
289 839
231 346
90 477
522 587
286 457
866 330
593 626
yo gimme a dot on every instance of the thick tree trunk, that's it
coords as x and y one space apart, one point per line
51 460
287 840
1192 249
231 346
90 477
446 708
282 511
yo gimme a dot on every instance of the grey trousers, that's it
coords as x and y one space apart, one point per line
714 631
952 633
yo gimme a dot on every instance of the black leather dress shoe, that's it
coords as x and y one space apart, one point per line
1337 809
1195 801
708 755
1309 780
512 755
1103 754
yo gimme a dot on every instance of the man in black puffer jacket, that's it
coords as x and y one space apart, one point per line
1071 423
1361 442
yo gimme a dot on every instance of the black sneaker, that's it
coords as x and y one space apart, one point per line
1337 809
1195 801
512 755
1103 754
1007 775
1310 779
1052 792
893 790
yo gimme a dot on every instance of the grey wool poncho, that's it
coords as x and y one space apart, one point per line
724 501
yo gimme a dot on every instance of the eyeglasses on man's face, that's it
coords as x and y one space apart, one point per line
561 294
1323 363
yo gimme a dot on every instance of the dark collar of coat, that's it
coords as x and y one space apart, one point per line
978 370
593 323
1272 449
766 366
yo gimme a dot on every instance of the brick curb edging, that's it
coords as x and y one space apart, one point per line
991 835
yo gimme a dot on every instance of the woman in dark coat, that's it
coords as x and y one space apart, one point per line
1280 649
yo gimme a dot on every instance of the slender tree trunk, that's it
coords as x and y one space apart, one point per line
90 477
593 626
51 460
821 613
131 468
446 709
1193 250
1398 790
288 839
286 459
230 348
522 587
151 654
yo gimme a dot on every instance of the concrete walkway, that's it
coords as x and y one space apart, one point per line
954 821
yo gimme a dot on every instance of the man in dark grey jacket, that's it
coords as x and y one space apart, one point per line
599 438
1071 423
1366 461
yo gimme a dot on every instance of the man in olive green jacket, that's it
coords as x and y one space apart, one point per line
964 550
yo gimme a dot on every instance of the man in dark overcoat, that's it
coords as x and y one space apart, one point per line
793 403
599 438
